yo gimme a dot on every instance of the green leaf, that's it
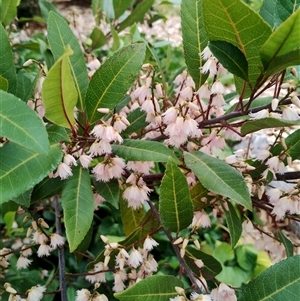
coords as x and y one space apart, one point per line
26 85
268 11
198 191
282 41
59 37
234 224
280 282
112 80
234 22
21 125
282 62
212 266
98 38
246 256
157 287
230 57
24 198
116 39
284 8
289 248
47 7
47 188
218 177
78 205
120 7
110 191
21 168
3 83
137 122
143 150
59 93
293 146
57 133
137 14
194 38
8 11
265 123
131 218
175 204
7 66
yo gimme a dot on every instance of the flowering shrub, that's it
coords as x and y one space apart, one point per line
112 177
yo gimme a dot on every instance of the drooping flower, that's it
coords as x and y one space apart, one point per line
83 295
223 293
135 258
56 240
36 293
63 171
149 243
23 262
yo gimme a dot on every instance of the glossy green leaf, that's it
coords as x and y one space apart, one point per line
212 266
137 122
218 177
59 93
230 57
234 224
157 287
282 62
175 204
137 14
234 22
59 37
143 150
282 41
7 66
293 146
131 218
285 8
21 125
78 205
47 188
246 256
116 39
280 282
265 123
8 11
7 213
112 80
21 169
289 248
268 11
26 85
110 191
194 38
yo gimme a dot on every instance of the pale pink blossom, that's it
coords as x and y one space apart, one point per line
105 132
44 250
180 78
100 297
218 100
149 243
136 195
260 114
36 293
210 66
109 169
23 262
274 103
217 88
170 115
201 218
85 160
142 167
204 91
97 273
288 113
190 127
63 171
119 278
39 237
135 258
56 240
223 293
69 160
206 53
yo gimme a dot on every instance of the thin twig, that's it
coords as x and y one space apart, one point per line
61 254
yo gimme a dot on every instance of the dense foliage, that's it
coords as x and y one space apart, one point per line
135 169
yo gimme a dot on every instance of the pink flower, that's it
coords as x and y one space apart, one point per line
109 169
23 262
149 243
56 240
223 293
43 250
136 195
83 295
63 171
85 160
